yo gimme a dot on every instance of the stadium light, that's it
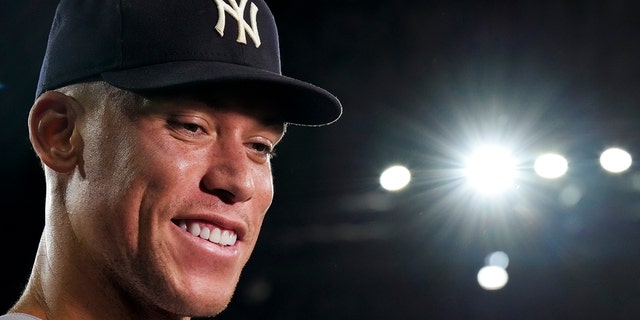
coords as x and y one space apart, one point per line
551 166
395 178
615 160
491 170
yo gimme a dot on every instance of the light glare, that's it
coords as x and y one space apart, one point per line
491 170
615 160
551 166
498 259
395 178
492 277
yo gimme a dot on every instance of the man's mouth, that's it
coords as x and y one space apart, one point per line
213 234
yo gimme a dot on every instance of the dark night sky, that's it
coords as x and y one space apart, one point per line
420 81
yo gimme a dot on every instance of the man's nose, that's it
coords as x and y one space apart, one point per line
230 173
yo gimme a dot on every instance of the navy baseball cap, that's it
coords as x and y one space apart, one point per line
145 45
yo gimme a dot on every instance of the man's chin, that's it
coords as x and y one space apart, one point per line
210 305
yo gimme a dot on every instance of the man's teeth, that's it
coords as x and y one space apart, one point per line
215 235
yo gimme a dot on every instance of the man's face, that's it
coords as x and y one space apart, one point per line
173 198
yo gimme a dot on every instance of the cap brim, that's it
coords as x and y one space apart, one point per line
299 102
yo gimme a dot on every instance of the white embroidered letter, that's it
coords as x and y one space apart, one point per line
237 12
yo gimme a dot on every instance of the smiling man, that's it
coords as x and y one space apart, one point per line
155 122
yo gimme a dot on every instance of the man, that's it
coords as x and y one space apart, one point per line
155 122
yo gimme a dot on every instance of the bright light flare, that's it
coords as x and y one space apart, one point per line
491 170
395 178
615 160
551 166
492 277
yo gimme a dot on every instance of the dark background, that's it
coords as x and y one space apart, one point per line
421 82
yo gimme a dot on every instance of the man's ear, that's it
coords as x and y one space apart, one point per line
53 132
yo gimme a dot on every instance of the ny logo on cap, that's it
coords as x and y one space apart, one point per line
237 12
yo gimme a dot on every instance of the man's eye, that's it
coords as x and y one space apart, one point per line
191 127
264 149
188 126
